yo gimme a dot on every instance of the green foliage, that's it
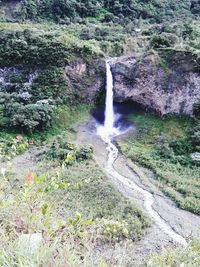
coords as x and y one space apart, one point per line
196 110
195 7
165 146
66 153
75 209
10 147
65 119
49 83
195 131
106 204
31 117
36 48
23 117
24 48
114 230
66 11
159 41
164 40
195 136
29 74
179 41
84 153
189 257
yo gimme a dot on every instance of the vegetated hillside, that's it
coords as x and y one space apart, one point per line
39 71
169 146
65 200
47 71
120 11
44 66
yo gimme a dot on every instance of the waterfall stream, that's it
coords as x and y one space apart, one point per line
109 110
107 132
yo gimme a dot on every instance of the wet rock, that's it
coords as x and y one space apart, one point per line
165 85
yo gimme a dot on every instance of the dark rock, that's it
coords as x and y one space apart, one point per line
173 88
85 79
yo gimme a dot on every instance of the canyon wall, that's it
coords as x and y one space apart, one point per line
169 85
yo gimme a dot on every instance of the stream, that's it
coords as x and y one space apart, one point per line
148 197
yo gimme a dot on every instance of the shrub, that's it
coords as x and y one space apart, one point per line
113 230
11 147
196 110
195 137
84 153
187 257
32 50
49 83
160 41
31 117
67 153
123 10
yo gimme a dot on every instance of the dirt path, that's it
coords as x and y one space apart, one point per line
181 223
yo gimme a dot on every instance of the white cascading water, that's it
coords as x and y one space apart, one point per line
107 132
109 110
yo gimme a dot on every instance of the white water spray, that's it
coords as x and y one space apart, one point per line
107 132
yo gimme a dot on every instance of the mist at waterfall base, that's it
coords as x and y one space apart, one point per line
121 112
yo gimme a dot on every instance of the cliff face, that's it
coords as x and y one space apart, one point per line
171 87
85 79
164 86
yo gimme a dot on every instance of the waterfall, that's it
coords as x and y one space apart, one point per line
108 130
109 110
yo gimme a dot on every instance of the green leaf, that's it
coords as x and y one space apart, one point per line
44 209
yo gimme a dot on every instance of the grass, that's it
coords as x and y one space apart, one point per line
75 208
83 219
189 257
98 199
175 173
65 119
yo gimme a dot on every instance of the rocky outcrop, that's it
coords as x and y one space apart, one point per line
165 86
85 79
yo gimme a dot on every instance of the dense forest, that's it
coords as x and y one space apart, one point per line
120 11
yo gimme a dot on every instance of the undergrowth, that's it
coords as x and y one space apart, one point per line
68 202
164 146
74 208
187 257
